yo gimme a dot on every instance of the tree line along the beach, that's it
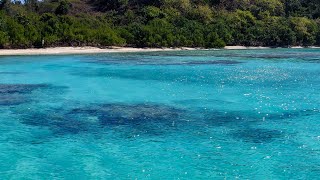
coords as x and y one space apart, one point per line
159 23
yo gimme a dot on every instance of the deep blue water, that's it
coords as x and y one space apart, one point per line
249 114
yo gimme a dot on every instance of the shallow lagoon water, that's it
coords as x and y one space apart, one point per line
162 115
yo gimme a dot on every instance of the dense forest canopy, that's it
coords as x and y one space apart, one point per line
159 23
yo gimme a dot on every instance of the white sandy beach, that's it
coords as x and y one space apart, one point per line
77 50
95 50
245 47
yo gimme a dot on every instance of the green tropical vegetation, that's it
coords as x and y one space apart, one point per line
159 23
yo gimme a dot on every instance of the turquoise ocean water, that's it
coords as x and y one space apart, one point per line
248 114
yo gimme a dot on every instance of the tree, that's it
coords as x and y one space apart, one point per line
276 31
63 8
214 41
273 7
182 5
4 39
305 30
4 4
201 13
243 24
107 5
32 5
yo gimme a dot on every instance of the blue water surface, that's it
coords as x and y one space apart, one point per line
249 114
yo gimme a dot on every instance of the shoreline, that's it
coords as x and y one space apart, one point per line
96 50
76 50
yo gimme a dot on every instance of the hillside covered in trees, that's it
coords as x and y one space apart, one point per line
159 23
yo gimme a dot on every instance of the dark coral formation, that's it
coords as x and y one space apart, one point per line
213 62
158 61
154 120
259 135
146 118
10 73
141 118
12 99
20 88
57 122
15 94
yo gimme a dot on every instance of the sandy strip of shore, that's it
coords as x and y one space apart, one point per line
79 50
245 47
95 50
263 47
